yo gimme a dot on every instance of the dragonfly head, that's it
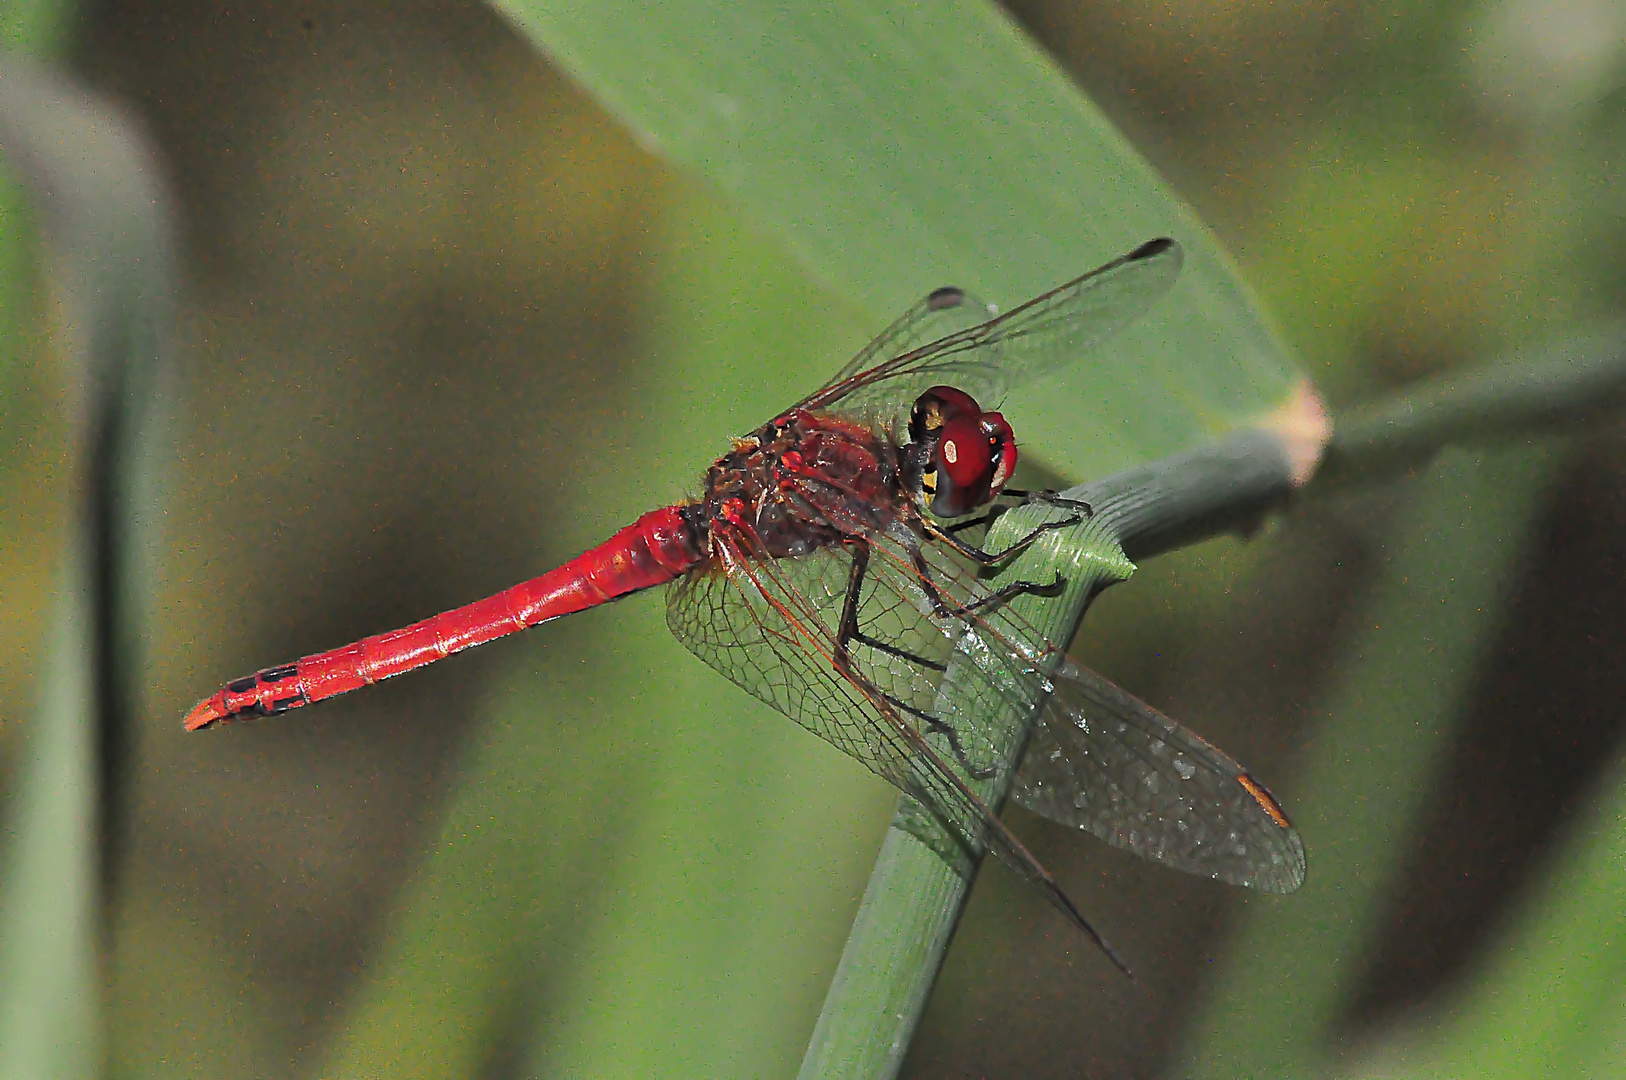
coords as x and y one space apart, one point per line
959 456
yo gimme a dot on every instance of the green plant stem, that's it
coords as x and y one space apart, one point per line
1555 388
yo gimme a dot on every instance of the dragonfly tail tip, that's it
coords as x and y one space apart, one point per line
203 714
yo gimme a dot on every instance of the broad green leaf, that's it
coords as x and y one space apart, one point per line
894 148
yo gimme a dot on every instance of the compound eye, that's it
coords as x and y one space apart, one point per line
962 468
962 453
1001 450
937 406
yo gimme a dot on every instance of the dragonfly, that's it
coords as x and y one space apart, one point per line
831 568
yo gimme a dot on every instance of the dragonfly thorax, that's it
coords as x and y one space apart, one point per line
804 481
958 457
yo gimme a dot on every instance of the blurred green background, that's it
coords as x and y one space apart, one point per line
438 323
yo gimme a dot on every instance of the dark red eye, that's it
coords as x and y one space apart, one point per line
1002 450
974 451
937 406
962 453
954 404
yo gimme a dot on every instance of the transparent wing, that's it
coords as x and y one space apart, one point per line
1104 761
986 360
937 315
772 626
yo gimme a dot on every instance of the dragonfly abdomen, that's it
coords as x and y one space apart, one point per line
651 551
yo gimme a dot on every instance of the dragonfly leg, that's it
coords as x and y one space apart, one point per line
1049 498
993 515
984 558
1046 497
849 633
939 726
892 650
849 630
943 609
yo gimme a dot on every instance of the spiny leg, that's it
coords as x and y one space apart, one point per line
944 610
892 650
848 632
942 727
1049 498
983 558
992 515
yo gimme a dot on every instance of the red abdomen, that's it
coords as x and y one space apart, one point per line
652 551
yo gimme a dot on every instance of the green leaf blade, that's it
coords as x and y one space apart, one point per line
894 150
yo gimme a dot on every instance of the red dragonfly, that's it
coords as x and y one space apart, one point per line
826 570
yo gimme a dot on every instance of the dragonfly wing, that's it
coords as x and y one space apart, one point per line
936 315
1104 761
772 626
1025 343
